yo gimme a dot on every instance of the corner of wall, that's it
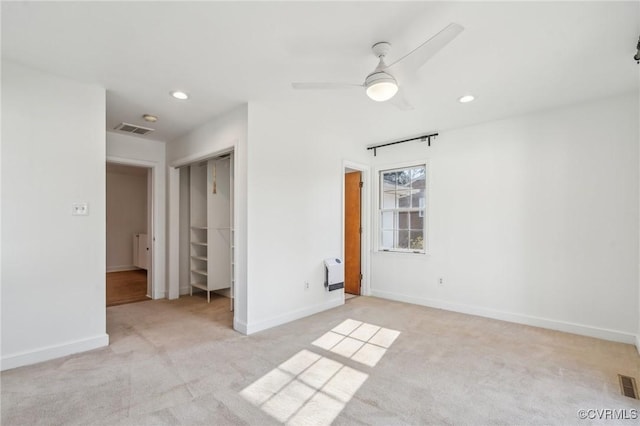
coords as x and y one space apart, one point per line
257 326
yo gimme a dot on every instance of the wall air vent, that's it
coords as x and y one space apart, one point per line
132 128
628 386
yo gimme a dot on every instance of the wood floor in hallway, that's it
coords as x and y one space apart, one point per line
126 287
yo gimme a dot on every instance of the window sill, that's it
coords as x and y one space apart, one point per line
402 253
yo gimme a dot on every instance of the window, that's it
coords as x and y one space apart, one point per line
402 209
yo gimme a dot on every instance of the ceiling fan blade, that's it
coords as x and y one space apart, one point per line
400 101
412 61
324 86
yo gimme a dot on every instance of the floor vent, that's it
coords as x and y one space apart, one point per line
628 386
132 128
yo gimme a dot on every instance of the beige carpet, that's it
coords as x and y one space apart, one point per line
370 361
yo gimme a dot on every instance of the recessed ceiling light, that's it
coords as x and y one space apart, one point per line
466 98
180 95
150 118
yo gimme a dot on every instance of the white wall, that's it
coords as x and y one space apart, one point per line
296 155
533 219
224 133
126 216
53 263
135 151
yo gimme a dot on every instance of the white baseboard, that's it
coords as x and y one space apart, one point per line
257 326
638 343
52 352
568 327
184 290
121 268
240 326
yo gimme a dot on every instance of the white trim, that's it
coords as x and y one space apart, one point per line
122 268
173 234
365 214
157 250
239 326
567 327
194 158
255 327
638 343
55 351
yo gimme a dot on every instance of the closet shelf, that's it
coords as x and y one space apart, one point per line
199 258
199 227
198 243
199 271
201 286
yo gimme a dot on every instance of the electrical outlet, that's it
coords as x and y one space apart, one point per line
441 281
306 285
80 209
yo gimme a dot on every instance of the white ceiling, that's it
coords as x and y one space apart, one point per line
515 57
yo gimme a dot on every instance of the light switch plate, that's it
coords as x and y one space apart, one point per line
80 209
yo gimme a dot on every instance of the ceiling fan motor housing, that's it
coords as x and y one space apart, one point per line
379 77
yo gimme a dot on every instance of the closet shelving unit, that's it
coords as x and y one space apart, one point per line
199 258
211 236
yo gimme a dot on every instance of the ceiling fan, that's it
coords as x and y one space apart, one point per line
381 85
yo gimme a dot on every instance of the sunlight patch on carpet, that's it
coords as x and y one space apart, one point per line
359 341
305 389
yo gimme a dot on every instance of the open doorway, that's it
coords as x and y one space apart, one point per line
207 230
128 229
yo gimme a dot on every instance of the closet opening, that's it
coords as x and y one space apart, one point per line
128 229
207 230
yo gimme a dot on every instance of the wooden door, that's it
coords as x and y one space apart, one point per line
352 232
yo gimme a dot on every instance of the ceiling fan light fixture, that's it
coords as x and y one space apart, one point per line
381 86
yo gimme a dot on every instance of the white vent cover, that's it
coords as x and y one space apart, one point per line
132 128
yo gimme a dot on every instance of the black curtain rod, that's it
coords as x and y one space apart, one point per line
422 138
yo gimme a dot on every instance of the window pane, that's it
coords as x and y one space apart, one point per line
403 220
417 198
417 240
387 221
387 240
403 239
389 200
389 180
418 185
403 179
417 221
404 199
418 174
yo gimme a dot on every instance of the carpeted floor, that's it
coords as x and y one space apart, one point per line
126 287
370 361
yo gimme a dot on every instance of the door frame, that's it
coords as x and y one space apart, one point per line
365 220
238 208
153 274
